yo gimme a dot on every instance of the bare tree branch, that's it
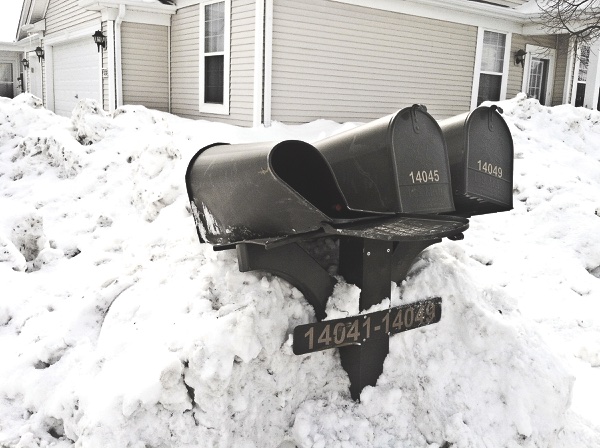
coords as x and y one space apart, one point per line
578 18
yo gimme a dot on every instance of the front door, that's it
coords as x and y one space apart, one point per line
538 79
539 73
7 82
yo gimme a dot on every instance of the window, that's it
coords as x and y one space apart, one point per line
214 56
6 79
584 61
490 67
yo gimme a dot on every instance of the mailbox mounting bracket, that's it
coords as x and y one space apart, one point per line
367 263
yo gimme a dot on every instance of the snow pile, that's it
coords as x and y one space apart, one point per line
118 328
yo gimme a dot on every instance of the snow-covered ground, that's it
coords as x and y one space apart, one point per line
119 329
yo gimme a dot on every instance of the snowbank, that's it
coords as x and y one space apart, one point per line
118 329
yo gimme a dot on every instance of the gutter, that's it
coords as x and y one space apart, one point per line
456 11
98 5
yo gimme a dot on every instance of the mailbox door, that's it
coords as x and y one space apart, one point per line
490 159
480 150
396 164
421 163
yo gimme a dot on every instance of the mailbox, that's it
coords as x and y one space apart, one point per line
480 150
253 191
396 164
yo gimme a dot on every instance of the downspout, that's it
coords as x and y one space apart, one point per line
118 64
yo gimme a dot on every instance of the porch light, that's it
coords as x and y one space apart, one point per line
25 63
520 57
39 51
99 39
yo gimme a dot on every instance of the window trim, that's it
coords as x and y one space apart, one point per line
477 69
211 108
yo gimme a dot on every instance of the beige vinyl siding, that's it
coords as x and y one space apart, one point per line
515 72
65 15
349 63
145 68
185 50
562 56
185 63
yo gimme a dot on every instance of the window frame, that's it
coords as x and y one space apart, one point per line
213 108
478 59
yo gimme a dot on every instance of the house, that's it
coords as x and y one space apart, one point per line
248 62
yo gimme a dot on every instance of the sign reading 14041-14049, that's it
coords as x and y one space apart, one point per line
357 329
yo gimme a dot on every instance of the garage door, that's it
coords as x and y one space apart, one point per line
76 74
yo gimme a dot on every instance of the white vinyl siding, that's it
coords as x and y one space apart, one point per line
349 63
144 56
185 64
66 15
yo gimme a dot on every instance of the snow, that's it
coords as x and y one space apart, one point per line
119 329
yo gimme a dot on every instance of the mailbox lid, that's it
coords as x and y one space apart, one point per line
266 190
481 157
421 163
396 164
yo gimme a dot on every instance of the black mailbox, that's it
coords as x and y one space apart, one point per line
396 164
480 150
253 191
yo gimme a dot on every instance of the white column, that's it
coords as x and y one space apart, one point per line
592 86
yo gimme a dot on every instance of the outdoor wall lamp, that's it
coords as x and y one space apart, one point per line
25 63
520 57
39 51
99 39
